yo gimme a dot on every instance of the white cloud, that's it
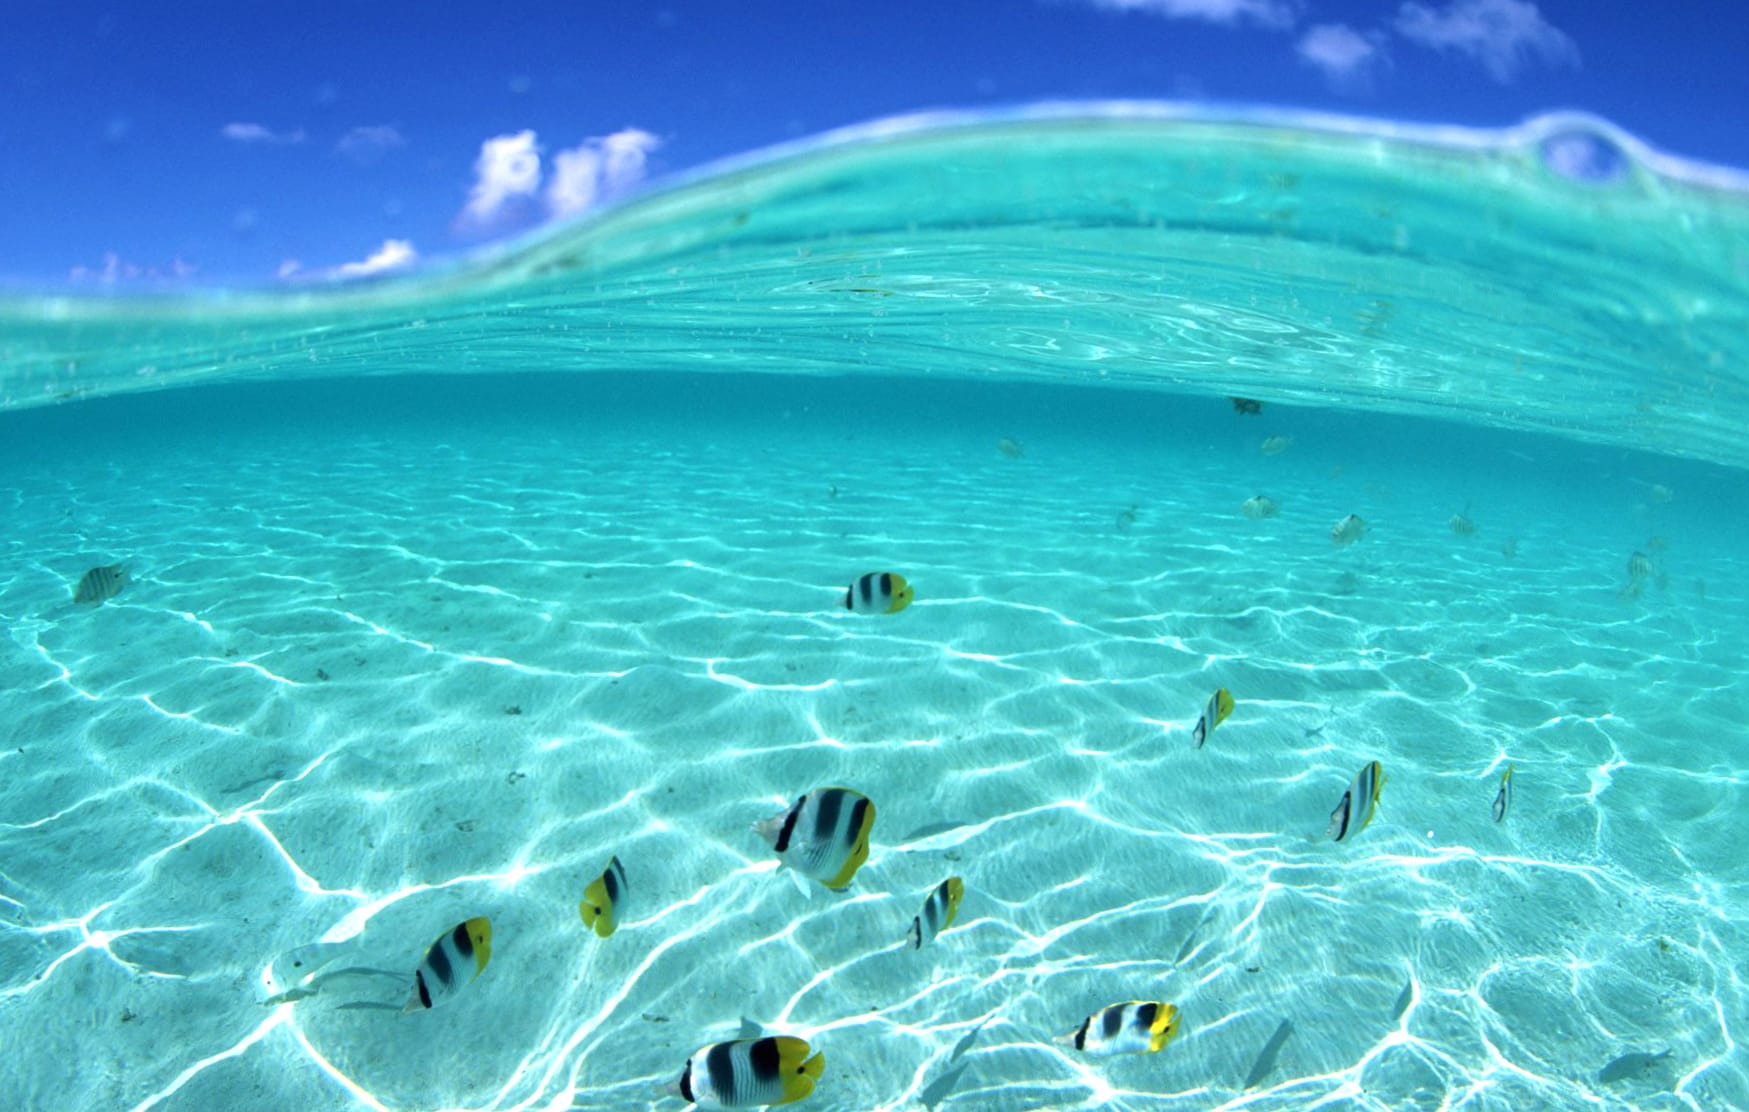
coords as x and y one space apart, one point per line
367 144
116 269
256 133
1279 14
394 254
1345 55
507 170
1503 35
598 169
288 268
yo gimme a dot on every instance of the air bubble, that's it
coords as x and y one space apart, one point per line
1583 155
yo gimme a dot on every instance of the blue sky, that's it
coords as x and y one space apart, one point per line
201 143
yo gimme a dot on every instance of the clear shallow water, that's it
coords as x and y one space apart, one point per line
403 651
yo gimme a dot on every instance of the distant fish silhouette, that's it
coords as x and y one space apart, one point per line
1404 999
1276 445
1266 1057
1011 447
101 584
1259 506
1246 407
1630 1066
1462 525
1348 530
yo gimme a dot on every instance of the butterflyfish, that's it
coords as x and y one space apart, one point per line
604 901
1503 798
453 960
939 909
1348 530
1356 807
824 836
1219 706
1134 1027
748 1073
878 592
1259 506
101 584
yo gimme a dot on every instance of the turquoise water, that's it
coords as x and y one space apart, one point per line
444 592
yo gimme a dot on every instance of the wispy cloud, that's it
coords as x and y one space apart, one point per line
115 269
598 169
1279 14
367 144
1346 56
258 133
1503 35
507 171
394 254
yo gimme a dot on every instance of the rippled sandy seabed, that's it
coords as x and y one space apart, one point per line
400 654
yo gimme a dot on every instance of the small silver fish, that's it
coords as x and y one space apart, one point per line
1259 506
1348 530
101 584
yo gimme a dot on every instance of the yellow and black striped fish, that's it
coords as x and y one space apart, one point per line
1219 706
604 901
1503 801
824 836
878 592
1356 807
1133 1027
748 1073
101 584
939 909
466 948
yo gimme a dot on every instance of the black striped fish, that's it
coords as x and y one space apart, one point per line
1133 1027
1503 801
1356 807
878 592
939 909
1219 706
748 1073
101 584
824 836
453 960
604 901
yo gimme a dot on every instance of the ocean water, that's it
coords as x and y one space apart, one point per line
445 591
